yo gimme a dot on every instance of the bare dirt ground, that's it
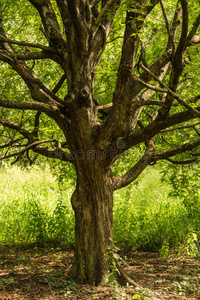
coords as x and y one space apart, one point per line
43 274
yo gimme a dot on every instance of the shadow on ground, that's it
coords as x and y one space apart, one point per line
43 274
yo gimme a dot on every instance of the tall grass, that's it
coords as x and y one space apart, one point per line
34 208
147 218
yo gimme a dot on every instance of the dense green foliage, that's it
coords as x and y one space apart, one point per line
37 208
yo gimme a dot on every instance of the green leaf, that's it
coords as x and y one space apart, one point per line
111 278
136 296
8 280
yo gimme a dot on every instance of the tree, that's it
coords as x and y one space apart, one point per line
154 103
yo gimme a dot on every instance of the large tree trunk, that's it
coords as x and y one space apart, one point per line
92 202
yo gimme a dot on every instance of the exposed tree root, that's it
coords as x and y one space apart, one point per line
123 278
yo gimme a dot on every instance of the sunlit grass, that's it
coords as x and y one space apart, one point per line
33 208
146 217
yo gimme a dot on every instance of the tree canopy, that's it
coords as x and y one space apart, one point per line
87 81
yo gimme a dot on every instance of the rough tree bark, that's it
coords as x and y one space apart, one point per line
92 202
93 145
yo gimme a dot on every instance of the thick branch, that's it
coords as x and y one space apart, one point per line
174 151
136 170
55 154
107 131
50 23
181 162
5 123
59 84
192 32
155 127
62 5
24 55
25 44
58 153
101 15
126 87
78 23
152 157
183 38
25 105
38 90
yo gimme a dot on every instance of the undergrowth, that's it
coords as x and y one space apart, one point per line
36 208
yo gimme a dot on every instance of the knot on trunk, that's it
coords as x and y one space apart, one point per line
85 92
85 96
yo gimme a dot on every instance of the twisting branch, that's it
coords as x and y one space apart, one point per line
136 170
165 17
174 151
180 127
149 86
29 146
192 32
38 90
176 96
50 23
11 143
55 154
151 157
17 127
33 145
101 15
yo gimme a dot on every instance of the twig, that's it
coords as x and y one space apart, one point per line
39 46
177 97
165 17
28 147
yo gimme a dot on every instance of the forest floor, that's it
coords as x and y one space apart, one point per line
43 274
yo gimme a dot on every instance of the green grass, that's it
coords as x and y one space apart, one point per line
35 209
147 218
